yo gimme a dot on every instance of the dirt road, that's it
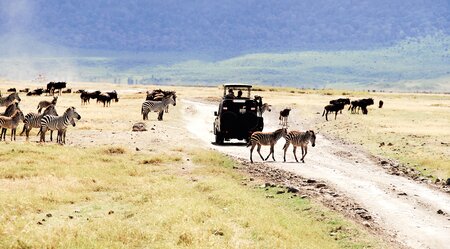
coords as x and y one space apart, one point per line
403 207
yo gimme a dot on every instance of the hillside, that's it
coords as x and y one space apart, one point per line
232 27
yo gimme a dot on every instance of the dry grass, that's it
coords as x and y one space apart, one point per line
63 197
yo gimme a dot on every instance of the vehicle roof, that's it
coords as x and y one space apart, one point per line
237 85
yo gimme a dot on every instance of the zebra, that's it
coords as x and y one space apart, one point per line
265 138
10 109
45 103
33 120
265 107
10 123
6 101
297 138
157 106
59 123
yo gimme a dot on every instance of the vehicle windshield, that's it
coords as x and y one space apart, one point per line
237 92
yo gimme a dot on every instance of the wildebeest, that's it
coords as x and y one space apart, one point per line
12 90
52 86
332 108
361 104
106 98
36 92
67 90
87 95
344 101
24 90
380 104
284 114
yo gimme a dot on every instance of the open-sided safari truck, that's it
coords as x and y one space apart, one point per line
239 115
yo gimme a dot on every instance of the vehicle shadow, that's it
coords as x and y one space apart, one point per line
230 144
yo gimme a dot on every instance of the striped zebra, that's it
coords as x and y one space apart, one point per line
33 120
259 138
59 123
157 106
10 123
6 101
297 138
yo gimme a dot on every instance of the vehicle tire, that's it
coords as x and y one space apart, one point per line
219 138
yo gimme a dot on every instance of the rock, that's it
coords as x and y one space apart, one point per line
139 126
320 185
49 215
279 192
383 162
292 190
390 144
447 182
310 181
137 149
303 196
70 217
440 212
270 196
110 212
402 193
218 232
40 223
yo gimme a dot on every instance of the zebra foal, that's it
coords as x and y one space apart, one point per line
59 123
157 106
297 138
44 104
6 101
10 123
259 138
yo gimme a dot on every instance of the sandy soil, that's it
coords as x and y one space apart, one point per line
406 209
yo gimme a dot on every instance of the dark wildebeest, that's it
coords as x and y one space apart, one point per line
24 90
12 90
284 114
106 98
332 108
67 91
36 92
87 95
344 101
52 86
380 104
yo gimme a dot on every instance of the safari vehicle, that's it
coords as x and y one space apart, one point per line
238 116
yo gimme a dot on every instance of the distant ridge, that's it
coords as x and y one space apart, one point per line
232 27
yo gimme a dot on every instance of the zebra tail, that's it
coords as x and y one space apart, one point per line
323 112
23 130
249 143
142 110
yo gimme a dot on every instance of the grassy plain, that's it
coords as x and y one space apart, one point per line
166 195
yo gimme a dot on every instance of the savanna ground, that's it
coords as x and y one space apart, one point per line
110 187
